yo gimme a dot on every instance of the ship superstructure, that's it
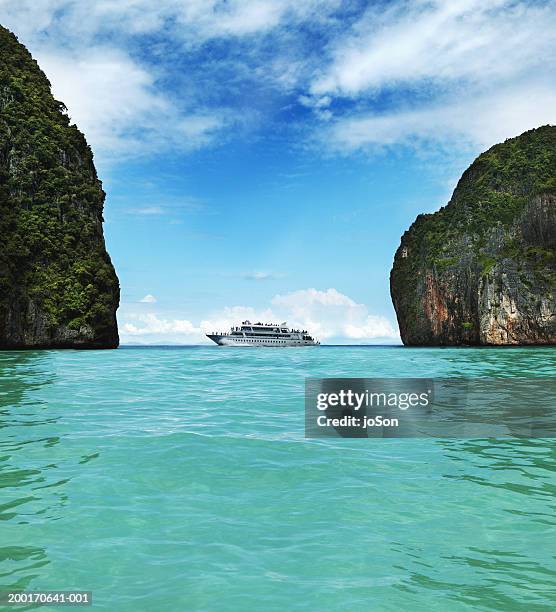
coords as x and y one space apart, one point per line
263 334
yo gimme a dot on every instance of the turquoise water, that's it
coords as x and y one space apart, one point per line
179 479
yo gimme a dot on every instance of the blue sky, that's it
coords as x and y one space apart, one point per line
263 157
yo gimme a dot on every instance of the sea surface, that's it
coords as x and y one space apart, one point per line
180 479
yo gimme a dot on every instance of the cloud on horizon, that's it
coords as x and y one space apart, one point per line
326 314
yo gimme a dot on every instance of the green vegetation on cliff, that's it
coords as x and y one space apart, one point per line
57 283
493 190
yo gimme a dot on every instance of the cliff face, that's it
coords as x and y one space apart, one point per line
482 270
58 287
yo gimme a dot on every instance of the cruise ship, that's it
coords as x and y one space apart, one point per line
263 334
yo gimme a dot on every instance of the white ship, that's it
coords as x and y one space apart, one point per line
263 334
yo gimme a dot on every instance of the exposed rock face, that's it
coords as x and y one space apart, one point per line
482 270
58 287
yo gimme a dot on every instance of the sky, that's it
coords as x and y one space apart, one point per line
262 158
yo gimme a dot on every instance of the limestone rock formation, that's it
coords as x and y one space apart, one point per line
58 288
482 270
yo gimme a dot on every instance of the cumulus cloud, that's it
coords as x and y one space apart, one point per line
152 324
327 314
331 314
148 299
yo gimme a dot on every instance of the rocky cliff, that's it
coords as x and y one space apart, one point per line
58 287
482 270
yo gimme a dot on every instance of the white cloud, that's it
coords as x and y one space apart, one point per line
205 19
309 297
107 94
327 314
197 130
468 72
481 122
148 299
235 18
27 18
169 206
117 104
331 314
319 105
418 42
148 210
259 275
151 324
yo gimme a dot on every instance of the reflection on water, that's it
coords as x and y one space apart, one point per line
519 474
501 362
169 479
522 466
23 373
19 565
484 538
